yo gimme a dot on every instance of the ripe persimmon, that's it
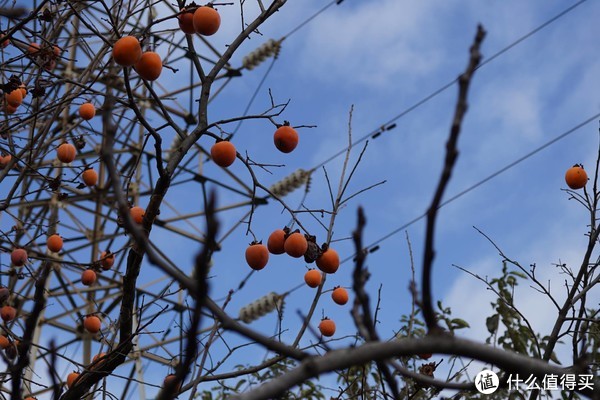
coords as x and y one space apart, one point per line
10 109
169 380
54 243
4 160
88 277
4 342
276 241
328 261
71 378
576 177
92 324
98 357
23 89
30 398
149 66
18 257
206 20
327 327
425 356
66 153
339 295
186 21
4 41
8 313
257 255
4 294
285 138
295 245
33 48
107 260
87 111
223 153
127 51
313 278
137 214
90 177
14 98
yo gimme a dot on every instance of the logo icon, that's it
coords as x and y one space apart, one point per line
487 381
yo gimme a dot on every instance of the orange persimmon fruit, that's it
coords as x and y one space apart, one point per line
127 51
107 260
339 295
137 214
71 378
23 89
170 380
285 138
88 277
92 324
14 98
18 257
328 261
576 177
54 243
4 41
98 357
327 327
8 313
223 153
87 111
257 256
4 160
276 242
33 48
186 21
206 20
313 278
10 109
149 66
90 177
66 153
295 245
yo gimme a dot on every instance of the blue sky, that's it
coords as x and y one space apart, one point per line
382 57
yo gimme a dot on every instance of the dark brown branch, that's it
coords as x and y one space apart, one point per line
202 267
364 322
451 154
507 361
14 12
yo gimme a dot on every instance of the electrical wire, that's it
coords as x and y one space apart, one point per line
373 246
390 124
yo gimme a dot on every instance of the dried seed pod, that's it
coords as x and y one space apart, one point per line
261 307
266 50
290 183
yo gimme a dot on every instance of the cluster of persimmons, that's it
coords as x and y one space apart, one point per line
128 52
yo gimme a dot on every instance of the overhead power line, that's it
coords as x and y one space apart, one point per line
390 124
374 245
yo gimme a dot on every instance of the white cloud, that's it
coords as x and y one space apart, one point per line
368 45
